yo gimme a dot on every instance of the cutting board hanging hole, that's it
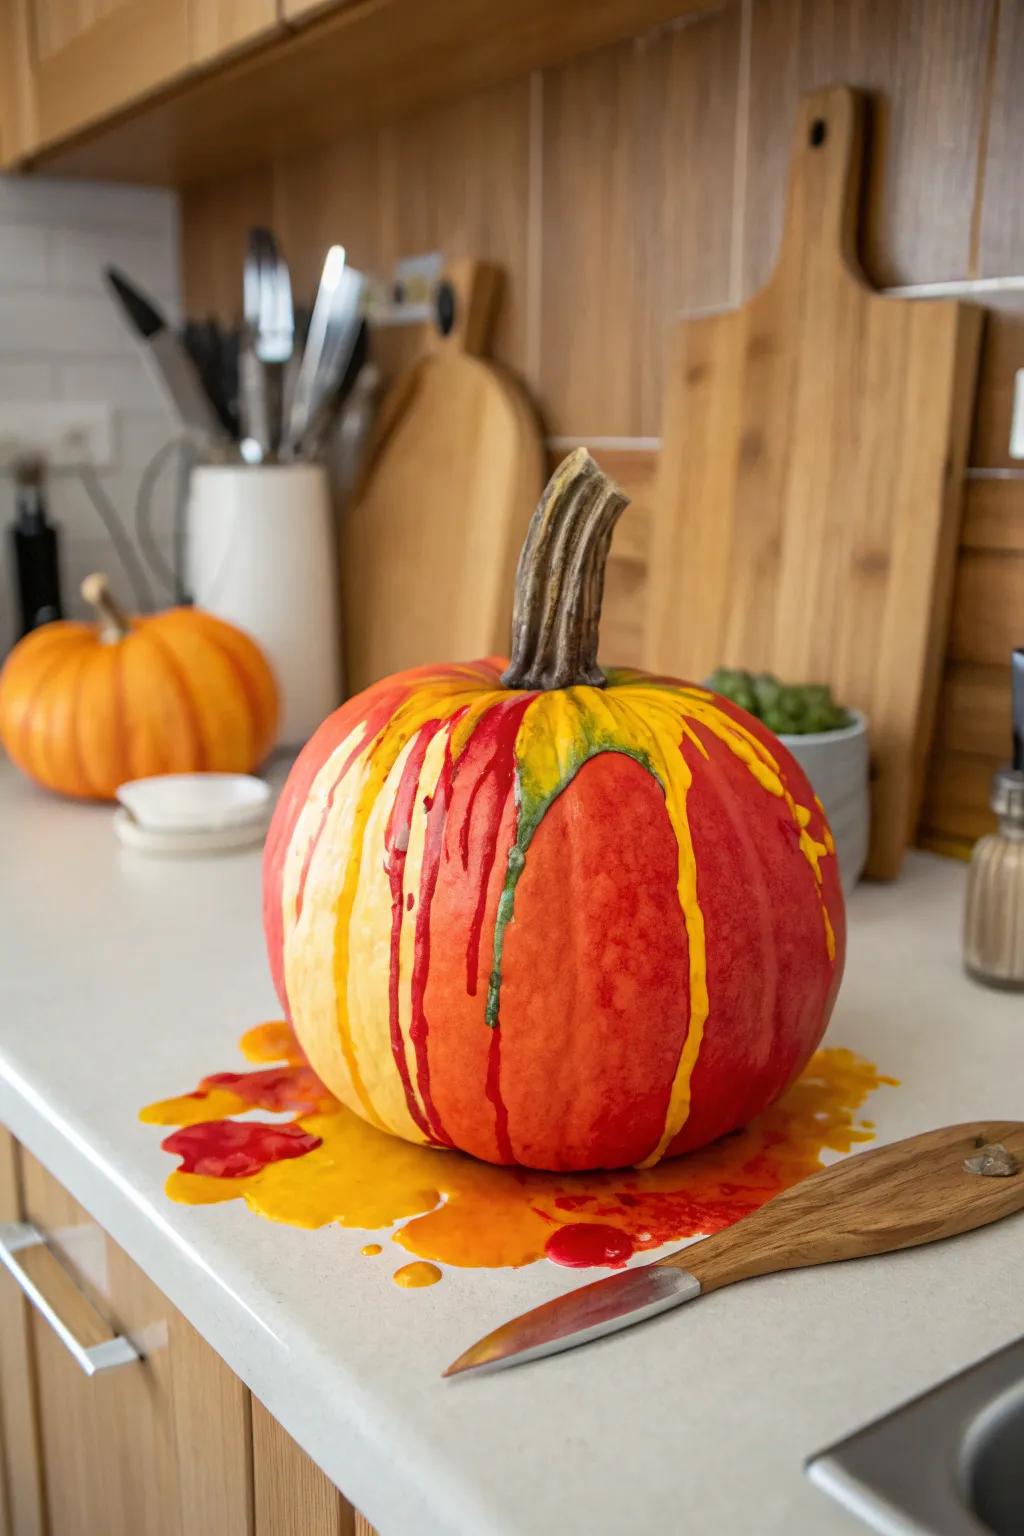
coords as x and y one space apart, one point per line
444 307
819 130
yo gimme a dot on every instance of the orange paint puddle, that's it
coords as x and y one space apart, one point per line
412 1276
371 1249
327 1165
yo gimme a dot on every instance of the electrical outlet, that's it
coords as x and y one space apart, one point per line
68 435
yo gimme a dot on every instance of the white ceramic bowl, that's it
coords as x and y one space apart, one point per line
836 762
196 802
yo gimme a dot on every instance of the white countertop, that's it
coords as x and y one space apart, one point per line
125 979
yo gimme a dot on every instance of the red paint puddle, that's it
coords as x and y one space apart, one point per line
236 1149
587 1244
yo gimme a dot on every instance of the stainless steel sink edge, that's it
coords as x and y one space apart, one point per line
911 1472
867 1505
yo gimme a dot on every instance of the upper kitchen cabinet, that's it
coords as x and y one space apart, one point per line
67 66
86 59
219 27
218 87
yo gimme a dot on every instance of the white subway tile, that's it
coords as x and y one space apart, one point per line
51 324
148 260
40 200
26 380
125 382
24 256
63 337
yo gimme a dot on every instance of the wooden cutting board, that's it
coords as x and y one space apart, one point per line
430 543
808 497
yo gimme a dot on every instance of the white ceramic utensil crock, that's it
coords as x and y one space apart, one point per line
261 554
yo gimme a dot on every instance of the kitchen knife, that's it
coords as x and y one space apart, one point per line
334 331
915 1191
175 368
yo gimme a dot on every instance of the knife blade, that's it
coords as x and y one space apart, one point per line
174 365
934 1185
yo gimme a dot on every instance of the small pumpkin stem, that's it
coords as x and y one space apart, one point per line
114 622
560 579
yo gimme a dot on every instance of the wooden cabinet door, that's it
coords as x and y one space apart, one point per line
161 1446
220 27
22 1511
17 105
90 58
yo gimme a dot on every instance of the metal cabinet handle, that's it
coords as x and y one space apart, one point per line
47 1285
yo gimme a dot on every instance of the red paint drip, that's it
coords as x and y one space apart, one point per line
396 843
278 1088
234 1149
492 1088
433 846
585 1244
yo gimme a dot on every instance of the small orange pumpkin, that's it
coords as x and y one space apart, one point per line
83 707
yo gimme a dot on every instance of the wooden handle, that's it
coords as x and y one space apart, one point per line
824 186
900 1196
466 303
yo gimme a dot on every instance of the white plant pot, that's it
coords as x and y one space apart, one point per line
261 555
836 762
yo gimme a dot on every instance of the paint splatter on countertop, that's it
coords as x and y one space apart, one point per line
327 1165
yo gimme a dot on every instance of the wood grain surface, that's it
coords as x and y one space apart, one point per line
808 501
638 149
924 63
430 542
292 1495
898 1196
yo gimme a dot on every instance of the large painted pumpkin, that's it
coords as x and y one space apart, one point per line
551 916
83 707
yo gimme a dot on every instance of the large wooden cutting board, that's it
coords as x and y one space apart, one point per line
807 507
430 543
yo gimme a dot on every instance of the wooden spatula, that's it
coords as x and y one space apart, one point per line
935 1185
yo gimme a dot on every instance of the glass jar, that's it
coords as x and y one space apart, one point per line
994 919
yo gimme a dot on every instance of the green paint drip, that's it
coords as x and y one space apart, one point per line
531 811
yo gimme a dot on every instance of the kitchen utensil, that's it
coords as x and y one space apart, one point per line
334 329
994 913
931 1186
805 519
196 802
265 347
430 540
204 343
354 427
175 368
262 554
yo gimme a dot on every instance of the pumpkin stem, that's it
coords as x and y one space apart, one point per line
114 622
560 579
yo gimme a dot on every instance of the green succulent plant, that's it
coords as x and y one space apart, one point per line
789 710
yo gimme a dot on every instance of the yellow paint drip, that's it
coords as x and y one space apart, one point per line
195 1108
270 1042
371 1250
413 1276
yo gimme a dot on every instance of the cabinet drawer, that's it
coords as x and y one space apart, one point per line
161 1445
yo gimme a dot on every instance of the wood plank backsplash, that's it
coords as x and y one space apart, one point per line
647 180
